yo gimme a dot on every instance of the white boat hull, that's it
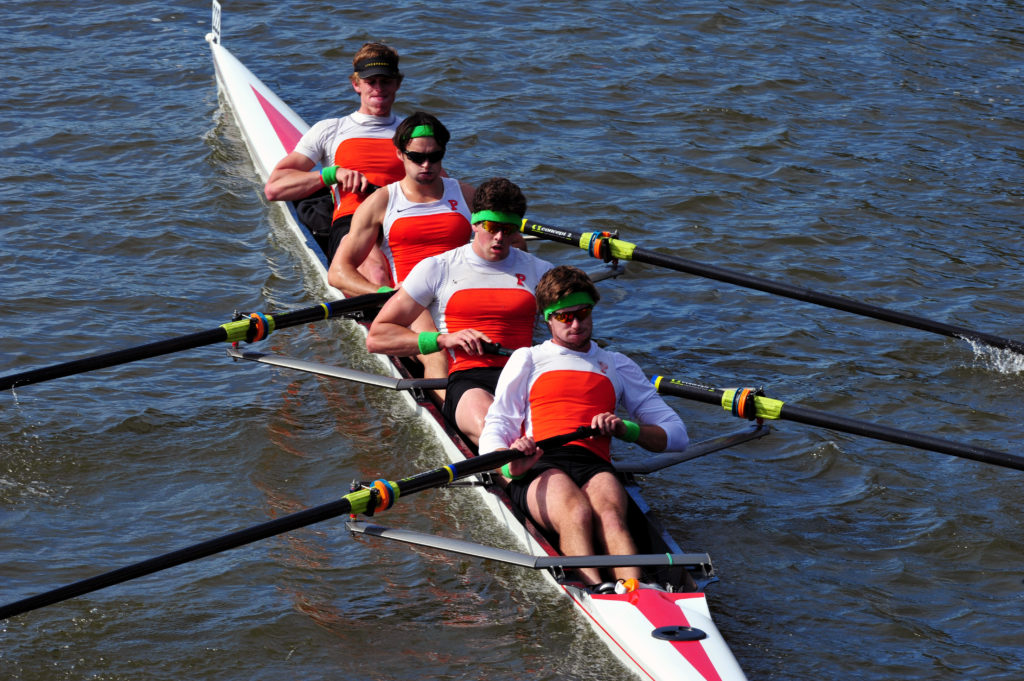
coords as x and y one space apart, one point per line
270 129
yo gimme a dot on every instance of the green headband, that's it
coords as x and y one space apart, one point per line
578 298
495 216
422 131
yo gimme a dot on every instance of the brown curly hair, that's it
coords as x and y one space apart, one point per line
560 281
501 195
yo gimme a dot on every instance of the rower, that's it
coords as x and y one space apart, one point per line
355 152
423 214
564 383
480 292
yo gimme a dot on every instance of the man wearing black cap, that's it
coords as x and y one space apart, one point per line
355 152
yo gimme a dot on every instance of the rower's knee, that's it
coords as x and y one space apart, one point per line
471 412
578 515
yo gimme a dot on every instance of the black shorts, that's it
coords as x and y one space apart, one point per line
316 211
467 379
576 461
339 228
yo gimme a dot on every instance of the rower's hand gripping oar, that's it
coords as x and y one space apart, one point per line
371 499
605 246
750 404
255 327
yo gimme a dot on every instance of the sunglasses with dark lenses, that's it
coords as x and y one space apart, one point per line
503 227
418 157
567 316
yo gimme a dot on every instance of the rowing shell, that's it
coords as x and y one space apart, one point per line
661 633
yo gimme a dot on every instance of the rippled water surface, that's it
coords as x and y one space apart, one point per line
871 150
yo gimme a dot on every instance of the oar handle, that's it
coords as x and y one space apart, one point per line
559 440
495 349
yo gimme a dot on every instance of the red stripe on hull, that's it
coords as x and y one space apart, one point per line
286 132
661 610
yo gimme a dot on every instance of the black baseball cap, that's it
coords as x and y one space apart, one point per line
384 65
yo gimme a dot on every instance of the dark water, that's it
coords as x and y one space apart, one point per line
870 149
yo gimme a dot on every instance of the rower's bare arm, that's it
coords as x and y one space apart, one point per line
390 333
652 438
292 179
468 191
344 271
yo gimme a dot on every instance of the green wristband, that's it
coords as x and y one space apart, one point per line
385 289
329 175
632 433
428 342
506 470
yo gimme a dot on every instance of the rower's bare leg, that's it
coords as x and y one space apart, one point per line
609 500
435 365
558 505
470 412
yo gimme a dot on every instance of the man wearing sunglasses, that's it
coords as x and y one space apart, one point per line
354 151
557 386
479 293
423 214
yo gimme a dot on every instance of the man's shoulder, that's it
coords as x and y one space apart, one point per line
525 259
324 124
355 121
435 264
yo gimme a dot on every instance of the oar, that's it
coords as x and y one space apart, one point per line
379 496
466 548
252 328
600 245
332 371
767 408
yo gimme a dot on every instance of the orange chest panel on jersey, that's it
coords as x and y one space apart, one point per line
562 401
504 314
374 158
414 238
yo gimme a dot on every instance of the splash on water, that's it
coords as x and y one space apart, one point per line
997 359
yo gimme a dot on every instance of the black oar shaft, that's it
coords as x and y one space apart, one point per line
356 502
114 358
174 558
627 251
226 332
771 408
808 295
